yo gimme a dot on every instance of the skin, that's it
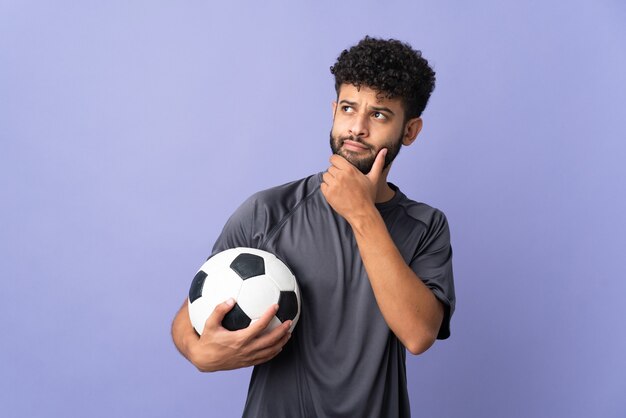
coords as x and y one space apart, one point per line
408 306
220 349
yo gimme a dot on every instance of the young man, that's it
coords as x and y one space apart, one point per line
374 267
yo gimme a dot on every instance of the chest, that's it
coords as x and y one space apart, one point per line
320 248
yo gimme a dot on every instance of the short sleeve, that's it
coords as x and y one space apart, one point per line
238 230
433 265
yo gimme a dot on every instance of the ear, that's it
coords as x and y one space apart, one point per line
334 105
412 128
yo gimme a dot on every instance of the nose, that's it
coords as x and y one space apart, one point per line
359 126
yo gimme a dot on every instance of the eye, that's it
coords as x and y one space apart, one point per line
379 115
346 108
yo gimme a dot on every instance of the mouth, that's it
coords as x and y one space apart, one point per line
354 146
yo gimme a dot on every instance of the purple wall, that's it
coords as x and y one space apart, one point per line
128 133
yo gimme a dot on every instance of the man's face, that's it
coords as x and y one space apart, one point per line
364 124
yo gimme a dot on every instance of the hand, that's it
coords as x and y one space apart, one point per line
347 190
221 349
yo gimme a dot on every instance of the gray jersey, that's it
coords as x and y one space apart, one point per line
342 359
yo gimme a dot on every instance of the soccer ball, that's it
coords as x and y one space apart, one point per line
255 279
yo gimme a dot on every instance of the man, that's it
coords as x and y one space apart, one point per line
374 267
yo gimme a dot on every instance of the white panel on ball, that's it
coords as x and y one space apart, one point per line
198 315
221 284
256 295
280 274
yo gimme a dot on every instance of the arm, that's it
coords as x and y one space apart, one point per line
220 349
409 307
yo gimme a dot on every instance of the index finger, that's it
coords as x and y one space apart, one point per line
379 165
339 161
259 326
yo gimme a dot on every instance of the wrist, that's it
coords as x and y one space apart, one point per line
364 220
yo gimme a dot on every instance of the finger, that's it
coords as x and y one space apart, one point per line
259 326
324 189
377 167
265 355
268 353
333 171
339 162
215 319
275 336
327 178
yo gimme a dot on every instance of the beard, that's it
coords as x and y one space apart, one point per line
364 164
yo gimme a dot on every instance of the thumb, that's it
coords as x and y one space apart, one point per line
215 319
378 166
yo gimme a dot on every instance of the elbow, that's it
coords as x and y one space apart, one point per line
424 334
420 344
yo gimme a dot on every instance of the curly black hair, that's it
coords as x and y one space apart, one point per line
392 68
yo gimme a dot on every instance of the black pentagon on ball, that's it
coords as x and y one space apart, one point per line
287 305
248 265
236 319
195 291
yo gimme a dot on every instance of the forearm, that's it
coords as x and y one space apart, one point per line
408 306
182 331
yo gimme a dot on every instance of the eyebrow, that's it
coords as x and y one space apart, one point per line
375 108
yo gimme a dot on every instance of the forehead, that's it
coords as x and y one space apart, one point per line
367 96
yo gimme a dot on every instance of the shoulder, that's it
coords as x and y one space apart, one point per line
283 197
430 223
260 213
267 207
289 192
430 216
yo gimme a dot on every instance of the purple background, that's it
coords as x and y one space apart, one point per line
129 131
